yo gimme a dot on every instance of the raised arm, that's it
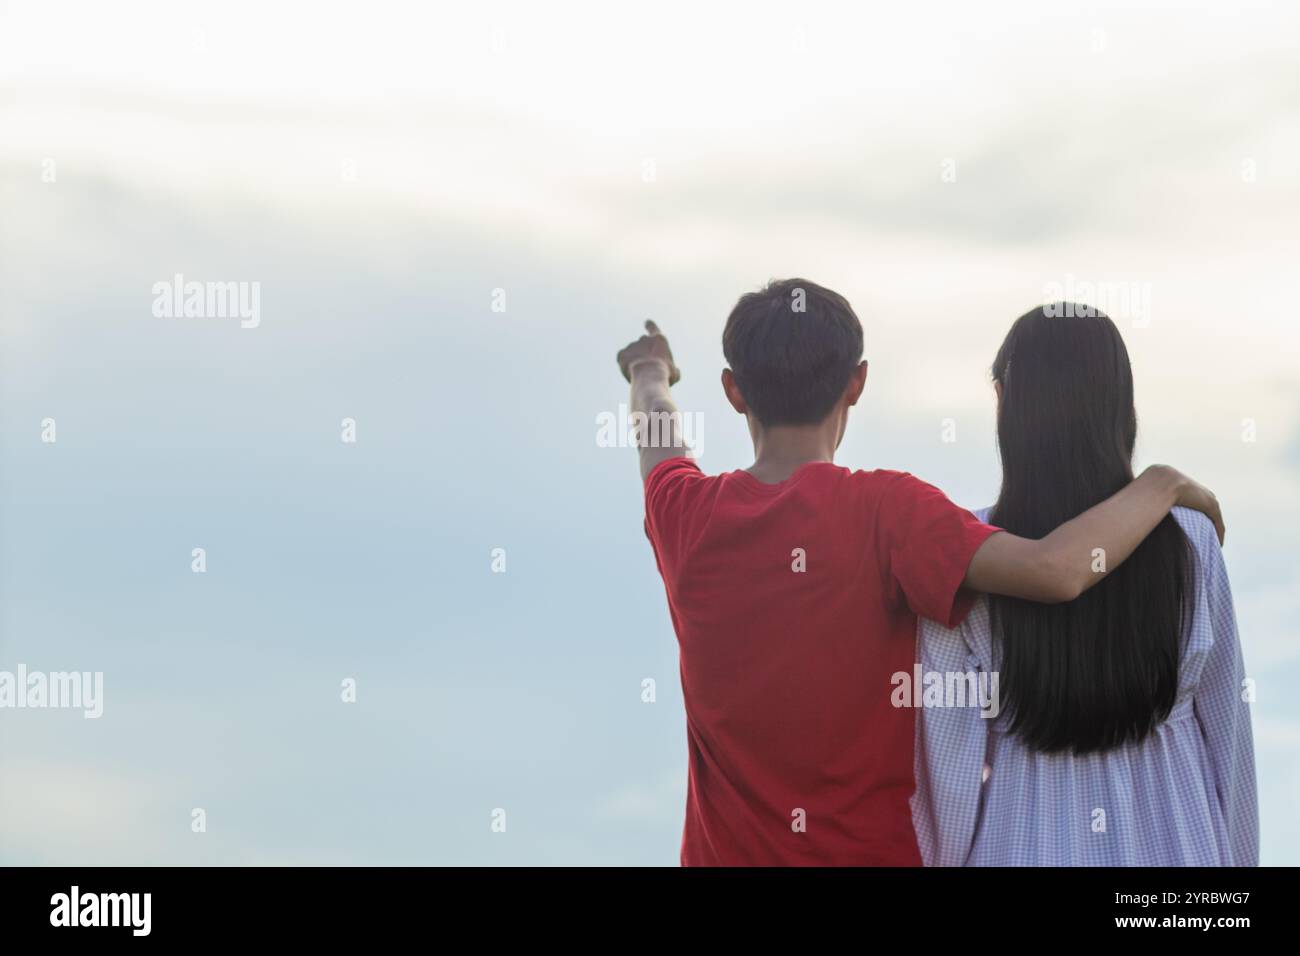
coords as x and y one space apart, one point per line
1084 550
648 364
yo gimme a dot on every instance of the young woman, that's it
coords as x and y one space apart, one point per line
1119 733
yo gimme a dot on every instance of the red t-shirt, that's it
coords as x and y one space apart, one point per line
797 755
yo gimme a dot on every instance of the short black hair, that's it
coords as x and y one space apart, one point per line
792 347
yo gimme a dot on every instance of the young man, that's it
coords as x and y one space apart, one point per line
794 587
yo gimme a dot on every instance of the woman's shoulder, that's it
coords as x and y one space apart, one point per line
1194 522
1202 537
1209 597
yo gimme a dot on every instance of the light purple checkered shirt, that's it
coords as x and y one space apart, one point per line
1184 796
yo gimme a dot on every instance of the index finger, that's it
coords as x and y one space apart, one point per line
651 327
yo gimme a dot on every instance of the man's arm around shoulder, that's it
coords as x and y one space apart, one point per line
1078 554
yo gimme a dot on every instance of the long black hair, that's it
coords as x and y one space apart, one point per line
1102 670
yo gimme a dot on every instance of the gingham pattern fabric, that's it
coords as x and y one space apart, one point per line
1185 796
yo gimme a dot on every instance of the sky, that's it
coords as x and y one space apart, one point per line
455 218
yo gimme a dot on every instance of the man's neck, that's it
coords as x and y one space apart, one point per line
780 451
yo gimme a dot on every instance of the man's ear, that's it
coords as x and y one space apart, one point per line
857 382
732 392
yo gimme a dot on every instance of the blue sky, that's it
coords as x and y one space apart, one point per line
515 159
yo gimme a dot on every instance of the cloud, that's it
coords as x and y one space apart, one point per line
54 812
